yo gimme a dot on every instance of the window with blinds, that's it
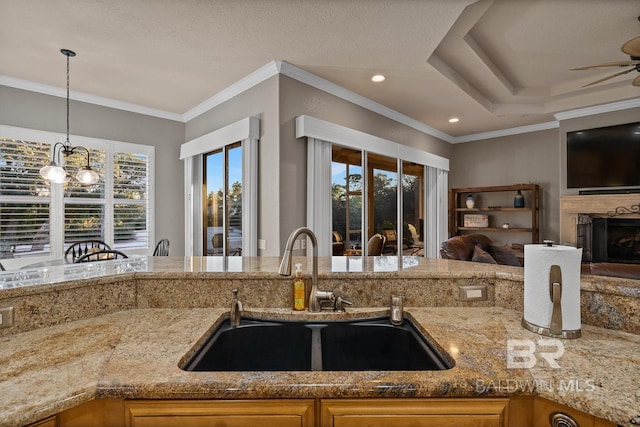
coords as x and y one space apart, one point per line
131 199
38 218
84 205
24 198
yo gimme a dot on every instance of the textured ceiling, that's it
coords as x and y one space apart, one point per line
495 64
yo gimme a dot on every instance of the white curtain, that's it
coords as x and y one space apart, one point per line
319 193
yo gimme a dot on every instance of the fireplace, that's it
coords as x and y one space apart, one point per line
609 239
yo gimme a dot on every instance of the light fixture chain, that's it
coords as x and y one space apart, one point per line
68 99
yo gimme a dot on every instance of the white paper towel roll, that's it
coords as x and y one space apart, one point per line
538 306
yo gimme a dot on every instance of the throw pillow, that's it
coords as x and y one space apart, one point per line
481 256
504 256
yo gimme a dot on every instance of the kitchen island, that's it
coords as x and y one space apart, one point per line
123 335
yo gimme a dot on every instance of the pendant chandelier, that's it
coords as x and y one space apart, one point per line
54 172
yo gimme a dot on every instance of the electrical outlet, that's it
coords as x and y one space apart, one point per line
6 317
472 293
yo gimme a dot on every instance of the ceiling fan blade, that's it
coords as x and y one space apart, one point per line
636 81
607 65
632 47
611 76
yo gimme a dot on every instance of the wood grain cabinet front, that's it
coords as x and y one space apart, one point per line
48 422
551 414
219 413
491 412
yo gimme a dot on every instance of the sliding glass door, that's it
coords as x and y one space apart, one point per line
379 179
223 200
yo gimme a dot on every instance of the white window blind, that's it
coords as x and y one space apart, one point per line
84 213
131 199
41 219
24 198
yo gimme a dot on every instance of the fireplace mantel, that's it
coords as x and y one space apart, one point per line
595 205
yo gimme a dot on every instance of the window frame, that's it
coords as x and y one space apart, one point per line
320 135
57 201
247 131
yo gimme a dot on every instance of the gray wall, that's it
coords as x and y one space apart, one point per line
259 101
33 110
278 101
537 157
517 159
298 99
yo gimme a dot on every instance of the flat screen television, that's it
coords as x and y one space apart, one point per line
604 157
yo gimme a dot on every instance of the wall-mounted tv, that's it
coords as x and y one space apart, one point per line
604 157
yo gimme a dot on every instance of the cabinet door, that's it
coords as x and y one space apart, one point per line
543 409
414 412
48 422
219 413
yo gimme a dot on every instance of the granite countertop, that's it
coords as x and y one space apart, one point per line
135 354
37 280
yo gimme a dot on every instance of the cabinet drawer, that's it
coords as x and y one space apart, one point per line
414 412
223 413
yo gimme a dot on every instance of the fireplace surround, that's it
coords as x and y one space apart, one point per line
594 206
609 239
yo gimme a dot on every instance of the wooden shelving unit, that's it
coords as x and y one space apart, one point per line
497 203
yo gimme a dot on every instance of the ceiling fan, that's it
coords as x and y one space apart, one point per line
631 48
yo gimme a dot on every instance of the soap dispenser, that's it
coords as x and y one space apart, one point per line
298 289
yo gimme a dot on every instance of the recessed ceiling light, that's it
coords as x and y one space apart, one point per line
378 78
454 120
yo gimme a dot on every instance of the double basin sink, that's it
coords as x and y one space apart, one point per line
355 345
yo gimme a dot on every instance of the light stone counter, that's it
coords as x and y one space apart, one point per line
136 354
120 329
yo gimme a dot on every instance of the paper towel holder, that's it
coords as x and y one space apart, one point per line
555 323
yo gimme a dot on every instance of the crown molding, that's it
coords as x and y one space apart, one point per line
282 67
261 74
85 97
506 132
598 109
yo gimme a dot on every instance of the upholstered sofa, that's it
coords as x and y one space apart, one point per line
477 248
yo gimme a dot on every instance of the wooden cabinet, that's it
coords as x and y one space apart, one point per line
544 409
497 203
449 412
517 411
48 422
529 411
95 413
219 413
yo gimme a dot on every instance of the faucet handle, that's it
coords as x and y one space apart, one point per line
339 304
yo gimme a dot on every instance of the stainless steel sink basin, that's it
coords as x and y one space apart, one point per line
357 345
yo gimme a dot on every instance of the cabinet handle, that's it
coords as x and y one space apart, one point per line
559 419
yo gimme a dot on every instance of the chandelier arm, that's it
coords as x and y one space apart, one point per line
56 152
71 150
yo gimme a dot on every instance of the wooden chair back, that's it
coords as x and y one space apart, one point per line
83 247
162 248
104 255
375 245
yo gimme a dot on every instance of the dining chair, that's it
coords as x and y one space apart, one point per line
391 240
375 245
162 248
217 242
103 255
83 247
